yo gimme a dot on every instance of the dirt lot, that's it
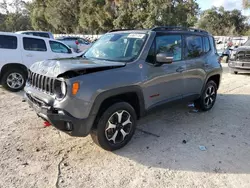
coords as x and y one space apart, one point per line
33 156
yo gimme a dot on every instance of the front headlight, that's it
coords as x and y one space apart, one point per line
60 89
63 88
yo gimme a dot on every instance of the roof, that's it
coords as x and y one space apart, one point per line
165 28
20 32
27 36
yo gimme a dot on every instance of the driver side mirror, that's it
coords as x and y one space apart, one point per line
163 58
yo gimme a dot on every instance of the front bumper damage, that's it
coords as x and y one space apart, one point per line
60 118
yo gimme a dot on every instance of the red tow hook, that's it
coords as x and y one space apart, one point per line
46 124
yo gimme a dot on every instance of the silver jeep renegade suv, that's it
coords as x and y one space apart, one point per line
122 76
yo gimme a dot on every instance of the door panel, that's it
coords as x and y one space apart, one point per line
195 74
9 50
164 83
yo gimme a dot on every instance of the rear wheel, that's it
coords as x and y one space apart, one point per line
14 79
208 97
235 72
115 127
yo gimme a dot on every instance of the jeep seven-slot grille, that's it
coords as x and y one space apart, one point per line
41 82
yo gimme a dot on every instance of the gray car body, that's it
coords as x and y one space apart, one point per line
153 85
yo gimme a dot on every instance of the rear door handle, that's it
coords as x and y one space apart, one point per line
180 69
206 65
29 55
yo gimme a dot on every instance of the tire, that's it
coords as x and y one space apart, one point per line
208 97
109 133
13 76
235 72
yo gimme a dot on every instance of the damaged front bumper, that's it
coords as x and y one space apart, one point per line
60 118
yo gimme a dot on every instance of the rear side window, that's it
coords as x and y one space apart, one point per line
8 42
45 35
32 44
193 47
212 41
70 38
206 44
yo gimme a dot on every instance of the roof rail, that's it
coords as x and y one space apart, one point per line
177 28
114 30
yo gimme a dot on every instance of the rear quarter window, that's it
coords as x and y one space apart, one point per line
206 45
32 44
212 41
45 35
8 42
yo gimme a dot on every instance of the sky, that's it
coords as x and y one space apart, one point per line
227 4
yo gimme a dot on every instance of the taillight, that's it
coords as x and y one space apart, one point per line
77 43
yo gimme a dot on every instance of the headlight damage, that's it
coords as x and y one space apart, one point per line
52 86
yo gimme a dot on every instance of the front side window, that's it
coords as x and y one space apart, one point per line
58 47
170 45
117 47
8 42
32 44
194 47
247 43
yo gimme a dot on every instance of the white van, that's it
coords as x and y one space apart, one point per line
18 52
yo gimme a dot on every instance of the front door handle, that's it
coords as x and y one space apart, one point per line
180 69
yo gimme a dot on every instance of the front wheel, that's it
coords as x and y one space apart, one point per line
208 97
116 127
14 79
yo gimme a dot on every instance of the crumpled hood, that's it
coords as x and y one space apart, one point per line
53 68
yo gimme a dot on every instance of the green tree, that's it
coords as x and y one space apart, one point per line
221 22
14 18
96 16
63 15
246 4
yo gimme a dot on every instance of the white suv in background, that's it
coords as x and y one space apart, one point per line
18 52
37 33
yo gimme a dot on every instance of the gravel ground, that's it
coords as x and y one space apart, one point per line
163 153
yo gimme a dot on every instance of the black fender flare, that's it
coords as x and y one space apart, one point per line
115 92
218 72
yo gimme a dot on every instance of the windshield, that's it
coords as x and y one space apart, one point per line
247 43
117 47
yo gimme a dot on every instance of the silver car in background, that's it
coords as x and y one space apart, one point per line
77 43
